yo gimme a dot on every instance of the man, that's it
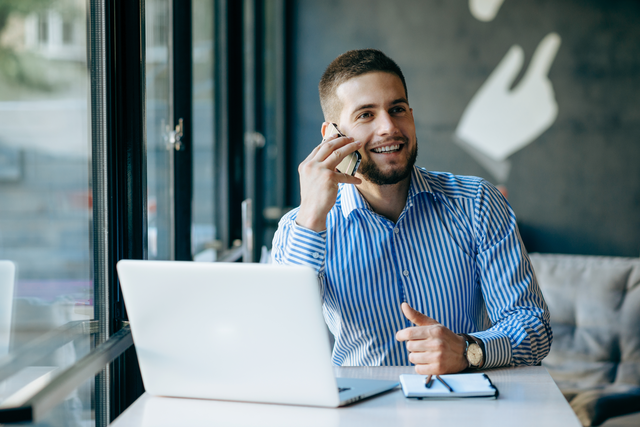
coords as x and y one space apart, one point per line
396 245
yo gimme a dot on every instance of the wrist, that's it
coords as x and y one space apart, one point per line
464 363
311 222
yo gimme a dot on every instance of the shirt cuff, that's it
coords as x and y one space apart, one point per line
497 348
307 247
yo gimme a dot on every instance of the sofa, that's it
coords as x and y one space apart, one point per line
594 304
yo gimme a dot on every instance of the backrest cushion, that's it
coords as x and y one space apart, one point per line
594 304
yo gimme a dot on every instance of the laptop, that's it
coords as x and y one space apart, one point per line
234 331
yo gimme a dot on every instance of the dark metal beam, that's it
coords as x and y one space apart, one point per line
182 109
127 165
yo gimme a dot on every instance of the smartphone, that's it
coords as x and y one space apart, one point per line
349 164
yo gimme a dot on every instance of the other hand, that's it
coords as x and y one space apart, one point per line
499 120
433 348
319 180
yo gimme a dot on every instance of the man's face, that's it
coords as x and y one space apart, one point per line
375 111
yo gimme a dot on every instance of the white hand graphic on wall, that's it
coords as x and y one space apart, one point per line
500 121
485 10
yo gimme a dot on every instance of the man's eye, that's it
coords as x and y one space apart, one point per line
364 116
398 109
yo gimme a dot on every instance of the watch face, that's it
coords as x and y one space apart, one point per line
474 354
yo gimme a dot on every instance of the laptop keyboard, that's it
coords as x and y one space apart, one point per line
341 389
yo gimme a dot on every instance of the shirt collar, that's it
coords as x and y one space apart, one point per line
351 199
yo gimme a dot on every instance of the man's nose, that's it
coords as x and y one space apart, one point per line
386 125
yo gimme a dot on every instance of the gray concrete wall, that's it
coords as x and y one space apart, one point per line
575 188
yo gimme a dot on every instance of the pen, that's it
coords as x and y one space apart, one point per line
428 381
444 383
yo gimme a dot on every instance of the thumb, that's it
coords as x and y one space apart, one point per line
416 317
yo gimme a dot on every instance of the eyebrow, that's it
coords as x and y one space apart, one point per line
394 102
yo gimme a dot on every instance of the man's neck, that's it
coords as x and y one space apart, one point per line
386 200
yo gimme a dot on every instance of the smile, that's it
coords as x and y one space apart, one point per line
387 149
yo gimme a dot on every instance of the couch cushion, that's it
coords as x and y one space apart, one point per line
593 407
594 304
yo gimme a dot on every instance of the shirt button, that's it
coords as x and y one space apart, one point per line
406 273
316 255
396 230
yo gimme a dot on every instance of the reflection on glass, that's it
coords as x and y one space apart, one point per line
158 126
203 231
272 184
45 193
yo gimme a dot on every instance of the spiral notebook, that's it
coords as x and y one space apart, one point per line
460 386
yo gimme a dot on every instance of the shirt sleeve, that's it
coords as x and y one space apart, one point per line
520 333
294 244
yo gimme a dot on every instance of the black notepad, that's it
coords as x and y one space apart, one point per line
463 385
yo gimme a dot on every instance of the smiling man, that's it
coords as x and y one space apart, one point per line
396 246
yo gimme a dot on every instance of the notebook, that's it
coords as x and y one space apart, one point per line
234 331
461 385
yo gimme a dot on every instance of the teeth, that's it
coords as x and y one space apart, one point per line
387 149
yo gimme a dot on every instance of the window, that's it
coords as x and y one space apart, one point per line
94 170
67 31
159 119
205 240
46 209
43 28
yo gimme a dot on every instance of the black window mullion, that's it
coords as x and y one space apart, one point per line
229 120
254 109
126 133
235 117
182 107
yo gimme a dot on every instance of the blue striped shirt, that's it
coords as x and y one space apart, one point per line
455 254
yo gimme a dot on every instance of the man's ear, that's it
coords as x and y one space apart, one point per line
325 125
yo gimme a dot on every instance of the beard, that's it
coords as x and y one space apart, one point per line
372 173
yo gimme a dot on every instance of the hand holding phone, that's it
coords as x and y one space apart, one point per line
321 174
349 164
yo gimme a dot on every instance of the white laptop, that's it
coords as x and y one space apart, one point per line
234 331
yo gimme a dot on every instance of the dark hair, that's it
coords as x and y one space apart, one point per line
348 65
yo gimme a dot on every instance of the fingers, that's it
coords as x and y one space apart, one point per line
417 333
331 152
507 70
543 57
335 149
433 357
416 317
426 326
327 146
347 179
313 153
433 348
484 10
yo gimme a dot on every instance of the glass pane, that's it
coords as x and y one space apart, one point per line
158 118
45 192
203 231
272 183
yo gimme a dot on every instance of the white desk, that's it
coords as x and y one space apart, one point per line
528 397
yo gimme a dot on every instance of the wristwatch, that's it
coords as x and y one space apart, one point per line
474 352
